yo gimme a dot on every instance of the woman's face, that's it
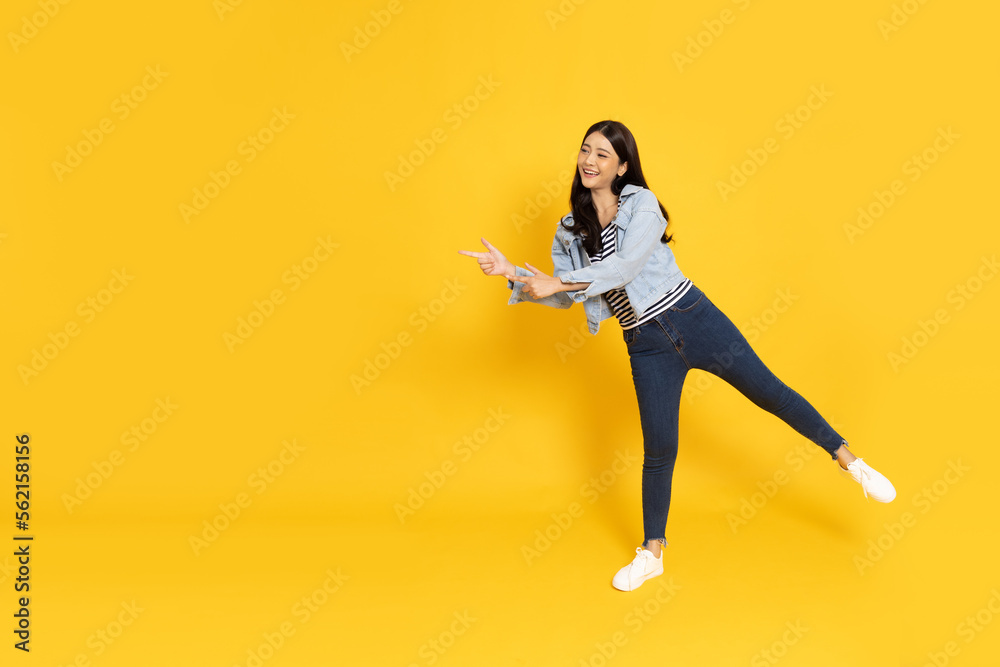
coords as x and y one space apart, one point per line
598 163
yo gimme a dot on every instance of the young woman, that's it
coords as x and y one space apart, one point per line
611 253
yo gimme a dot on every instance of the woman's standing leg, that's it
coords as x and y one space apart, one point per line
658 373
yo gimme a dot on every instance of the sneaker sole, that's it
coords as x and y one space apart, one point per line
644 579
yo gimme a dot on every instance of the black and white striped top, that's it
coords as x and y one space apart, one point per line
617 297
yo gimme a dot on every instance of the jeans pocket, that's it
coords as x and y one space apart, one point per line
688 301
629 335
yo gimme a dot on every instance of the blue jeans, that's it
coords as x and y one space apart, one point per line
694 333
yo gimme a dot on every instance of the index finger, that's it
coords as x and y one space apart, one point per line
470 253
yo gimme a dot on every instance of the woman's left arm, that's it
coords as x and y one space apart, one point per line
535 286
540 285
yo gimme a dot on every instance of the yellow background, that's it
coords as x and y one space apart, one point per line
566 399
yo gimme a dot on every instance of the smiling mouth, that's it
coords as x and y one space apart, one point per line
589 173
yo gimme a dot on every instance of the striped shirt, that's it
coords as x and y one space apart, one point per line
617 297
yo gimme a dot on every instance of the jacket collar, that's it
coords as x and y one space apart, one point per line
567 236
629 189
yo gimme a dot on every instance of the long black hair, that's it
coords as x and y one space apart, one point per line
585 222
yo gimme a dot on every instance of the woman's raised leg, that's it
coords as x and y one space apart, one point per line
714 344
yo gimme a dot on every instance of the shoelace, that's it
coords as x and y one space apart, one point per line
864 475
640 558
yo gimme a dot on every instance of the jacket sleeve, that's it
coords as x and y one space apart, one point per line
642 235
561 264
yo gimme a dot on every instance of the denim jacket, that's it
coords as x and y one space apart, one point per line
643 264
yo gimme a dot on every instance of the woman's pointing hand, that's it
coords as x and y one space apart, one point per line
492 262
539 285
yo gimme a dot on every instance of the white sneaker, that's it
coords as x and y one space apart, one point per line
873 483
644 566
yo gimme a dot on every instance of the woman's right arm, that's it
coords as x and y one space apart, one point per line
493 263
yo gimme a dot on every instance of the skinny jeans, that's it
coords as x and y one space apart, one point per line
694 333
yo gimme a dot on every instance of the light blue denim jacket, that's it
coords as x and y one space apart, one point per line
643 264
